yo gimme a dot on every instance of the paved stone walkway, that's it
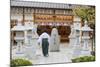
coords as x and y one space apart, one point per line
63 56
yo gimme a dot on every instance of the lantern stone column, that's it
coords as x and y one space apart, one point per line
76 49
19 38
85 39
72 37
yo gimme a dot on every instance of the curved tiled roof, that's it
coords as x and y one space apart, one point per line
41 4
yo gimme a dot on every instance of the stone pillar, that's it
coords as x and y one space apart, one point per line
25 36
55 40
30 51
76 51
72 37
76 48
31 46
85 42
19 47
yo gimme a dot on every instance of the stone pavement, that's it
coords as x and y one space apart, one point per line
63 56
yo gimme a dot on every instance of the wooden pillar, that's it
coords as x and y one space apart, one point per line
54 17
23 20
72 19
34 16
11 38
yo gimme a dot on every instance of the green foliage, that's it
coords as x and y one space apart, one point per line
84 59
85 13
20 62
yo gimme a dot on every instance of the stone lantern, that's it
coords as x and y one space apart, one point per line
75 33
30 40
75 37
26 40
85 39
19 38
76 45
35 37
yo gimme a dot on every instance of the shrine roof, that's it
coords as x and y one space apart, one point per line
41 4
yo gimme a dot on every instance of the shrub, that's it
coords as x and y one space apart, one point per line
83 59
20 62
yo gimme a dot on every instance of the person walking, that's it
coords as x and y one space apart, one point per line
44 40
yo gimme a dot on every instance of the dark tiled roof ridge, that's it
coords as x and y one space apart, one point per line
41 2
44 4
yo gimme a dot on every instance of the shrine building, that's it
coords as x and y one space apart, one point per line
46 15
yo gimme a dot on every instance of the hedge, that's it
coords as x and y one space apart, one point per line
84 59
20 62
